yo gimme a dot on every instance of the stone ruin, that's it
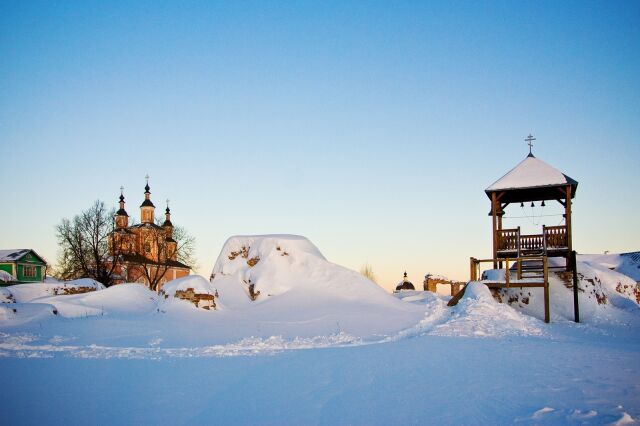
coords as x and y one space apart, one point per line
431 284
72 290
200 300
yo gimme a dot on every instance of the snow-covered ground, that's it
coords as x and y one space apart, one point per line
319 344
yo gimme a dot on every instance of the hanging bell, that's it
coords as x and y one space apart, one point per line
532 205
521 204
542 203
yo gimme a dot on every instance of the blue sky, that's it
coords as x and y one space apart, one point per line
370 127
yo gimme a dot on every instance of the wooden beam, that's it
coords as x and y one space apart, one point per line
562 203
522 284
547 310
494 205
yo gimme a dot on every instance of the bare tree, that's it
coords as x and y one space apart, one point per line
163 250
367 271
84 247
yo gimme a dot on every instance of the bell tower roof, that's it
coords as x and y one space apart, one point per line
167 215
147 208
122 211
147 195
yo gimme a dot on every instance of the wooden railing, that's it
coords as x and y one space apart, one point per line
556 236
533 243
552 237
508 239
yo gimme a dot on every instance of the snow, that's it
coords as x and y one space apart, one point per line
604 295
530 173
320 344
30 292
298 285
624 263
5 276
478 314
195 282
12 255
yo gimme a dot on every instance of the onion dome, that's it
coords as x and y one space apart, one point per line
405 284
122 211
167 216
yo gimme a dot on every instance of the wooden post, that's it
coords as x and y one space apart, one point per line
506 271
499 214
472 269
519 268
567 212
547 314
574 267
495 233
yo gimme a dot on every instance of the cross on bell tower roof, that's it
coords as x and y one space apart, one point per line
529 139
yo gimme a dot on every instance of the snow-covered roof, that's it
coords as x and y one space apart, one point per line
531 173
12 255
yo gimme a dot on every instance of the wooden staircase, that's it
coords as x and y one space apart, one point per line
531 270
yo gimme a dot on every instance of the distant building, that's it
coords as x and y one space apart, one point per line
145 245
24 265
405 284
431 283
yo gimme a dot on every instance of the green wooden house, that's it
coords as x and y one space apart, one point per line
24 265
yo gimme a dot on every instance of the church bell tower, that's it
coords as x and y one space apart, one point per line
122 218
147 209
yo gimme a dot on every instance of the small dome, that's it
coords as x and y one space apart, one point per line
405 284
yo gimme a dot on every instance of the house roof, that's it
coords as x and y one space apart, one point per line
532 177
146 224
13 255
136 258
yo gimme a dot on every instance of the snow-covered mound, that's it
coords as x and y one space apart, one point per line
22 293
478 314
285 278
19 313
5 277
604 293
193 289
121 299
196 282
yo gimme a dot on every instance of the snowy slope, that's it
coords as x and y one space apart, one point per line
624 263
604 294
28 292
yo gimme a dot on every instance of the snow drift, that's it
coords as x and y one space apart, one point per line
290 281
22 293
